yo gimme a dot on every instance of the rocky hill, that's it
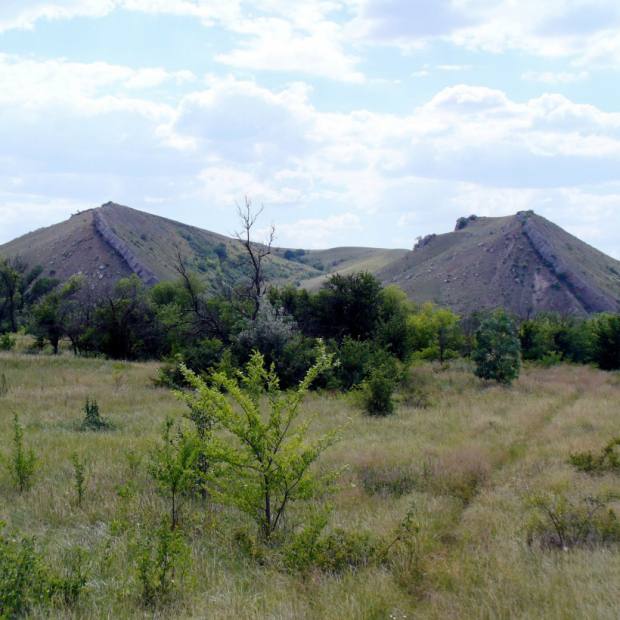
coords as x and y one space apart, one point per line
114 241
523 262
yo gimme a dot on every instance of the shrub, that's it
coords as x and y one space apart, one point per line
161 559
26 581
607 460
173 467
497 352
335 552
23 462
7 342
79 478
92 417
260 463
559 522
378 391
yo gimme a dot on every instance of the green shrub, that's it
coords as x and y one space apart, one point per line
607 460
92 418
23 462
559 522
261 461
162 559
336 552
173 467
7 342
26 581
378 392
79 478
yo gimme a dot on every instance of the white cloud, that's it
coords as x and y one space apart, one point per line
316 233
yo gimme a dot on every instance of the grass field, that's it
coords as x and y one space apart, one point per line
466 466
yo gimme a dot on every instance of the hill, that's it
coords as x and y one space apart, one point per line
523 263
114 241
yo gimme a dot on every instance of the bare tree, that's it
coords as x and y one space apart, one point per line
257 252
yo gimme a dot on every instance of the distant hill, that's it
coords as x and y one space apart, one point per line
523 263
114 241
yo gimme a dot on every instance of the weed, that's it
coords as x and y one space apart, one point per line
7 342
396 480
23 462
4 385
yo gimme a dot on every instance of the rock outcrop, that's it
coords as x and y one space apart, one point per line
592 300
123 250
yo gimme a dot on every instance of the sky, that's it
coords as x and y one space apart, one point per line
354 122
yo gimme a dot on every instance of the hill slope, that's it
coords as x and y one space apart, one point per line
523 263
113 241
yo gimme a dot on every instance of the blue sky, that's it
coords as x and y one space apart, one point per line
355 122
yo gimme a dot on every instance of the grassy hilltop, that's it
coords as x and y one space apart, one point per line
465 465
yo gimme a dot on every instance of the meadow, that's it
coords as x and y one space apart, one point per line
463 461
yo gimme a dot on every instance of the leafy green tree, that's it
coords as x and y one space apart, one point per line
394 332
349 305
125 324
436 332
49 316
497 352
260 463
606 330
23 461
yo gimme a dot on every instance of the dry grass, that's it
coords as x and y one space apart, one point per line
466 465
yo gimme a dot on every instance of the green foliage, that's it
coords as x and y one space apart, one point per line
497 352
260 463
79 478
7 342
23 462
335 552
436 332
607 341
607 460
51 314
349 305
26 581
559 522
162 560
378 391
93 421
173 467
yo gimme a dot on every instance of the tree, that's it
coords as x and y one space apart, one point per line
11 273
350 305
497 352
125 323
49 316
607 341
260 463
437 333
257 252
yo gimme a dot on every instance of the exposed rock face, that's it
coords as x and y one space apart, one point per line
593 300
102 227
